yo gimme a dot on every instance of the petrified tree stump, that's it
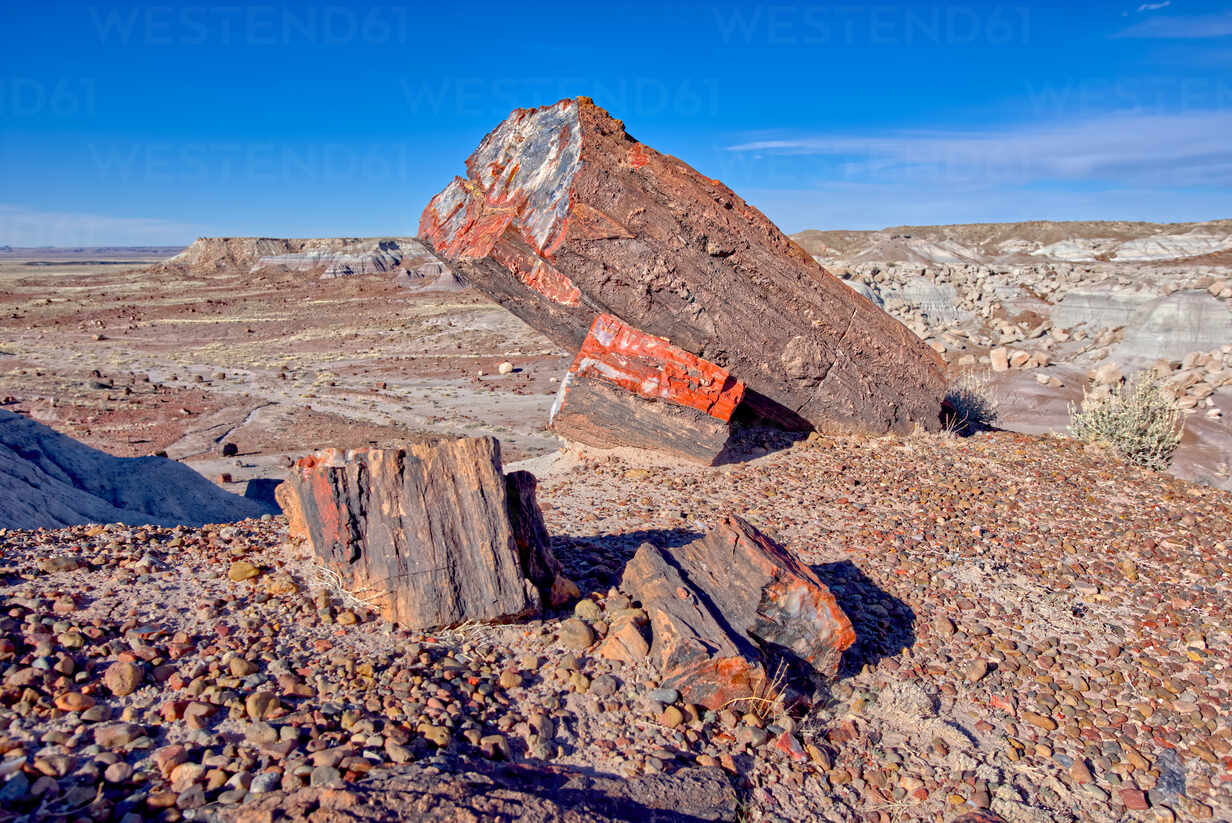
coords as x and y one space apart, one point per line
728 605
431 535
629 388
563 216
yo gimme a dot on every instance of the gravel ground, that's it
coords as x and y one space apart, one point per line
1042 630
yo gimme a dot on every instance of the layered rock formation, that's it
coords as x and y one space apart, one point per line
563 216
431 535
727 608
404 257
49 480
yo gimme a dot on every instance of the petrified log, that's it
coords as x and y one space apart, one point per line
431 534
563 216
727 606
629 388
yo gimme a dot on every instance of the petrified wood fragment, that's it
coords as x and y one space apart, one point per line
563 216
629 388
431 534
728 606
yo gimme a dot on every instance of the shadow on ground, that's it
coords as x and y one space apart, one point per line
884 624
596 562
469 789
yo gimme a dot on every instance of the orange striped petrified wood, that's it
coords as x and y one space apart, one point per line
717 642
629 388
430 535
563 215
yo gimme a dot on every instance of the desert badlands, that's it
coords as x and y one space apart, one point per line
597 497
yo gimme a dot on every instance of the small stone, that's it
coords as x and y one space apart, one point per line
510 679
1133 799
624 643
185 775
326 777
118 772
242 570
576 634
1040 721
944 626
123 678
588 610
117 735
976 670
1079 773
666 696
266 782
242 668
73 702
262 734
671 717
604 686
191 798
260 705
505 368
438 735
495 747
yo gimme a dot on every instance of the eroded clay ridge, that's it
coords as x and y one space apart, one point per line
563 216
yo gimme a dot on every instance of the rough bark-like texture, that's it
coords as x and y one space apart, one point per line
723 606
432 535
564 216
600 414
629 388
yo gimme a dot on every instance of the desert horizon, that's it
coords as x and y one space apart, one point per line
623 481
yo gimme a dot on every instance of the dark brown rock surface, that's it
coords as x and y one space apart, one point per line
431 535
564 216
728 603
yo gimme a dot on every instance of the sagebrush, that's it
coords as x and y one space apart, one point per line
1136 419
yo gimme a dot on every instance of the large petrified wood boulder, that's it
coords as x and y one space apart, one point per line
563 216
431 534
728 608
629 388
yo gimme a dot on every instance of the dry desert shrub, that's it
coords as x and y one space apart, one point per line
1135 419
973 403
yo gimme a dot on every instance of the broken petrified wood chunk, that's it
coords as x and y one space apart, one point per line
563 215
431 535
729 605
629 388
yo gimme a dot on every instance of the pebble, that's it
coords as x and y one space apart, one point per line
575 634
664 695
123 677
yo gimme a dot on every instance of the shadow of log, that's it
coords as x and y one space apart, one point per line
597 562
884 624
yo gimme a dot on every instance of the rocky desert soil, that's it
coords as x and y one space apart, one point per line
1042 630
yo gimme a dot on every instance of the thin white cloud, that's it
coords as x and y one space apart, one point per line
876 206
1154 6
1176 150
1182 28
20 226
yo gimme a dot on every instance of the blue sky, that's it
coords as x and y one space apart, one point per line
157 123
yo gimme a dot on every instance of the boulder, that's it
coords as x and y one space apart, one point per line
629 388
564 215
716 642
50 480
431 535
